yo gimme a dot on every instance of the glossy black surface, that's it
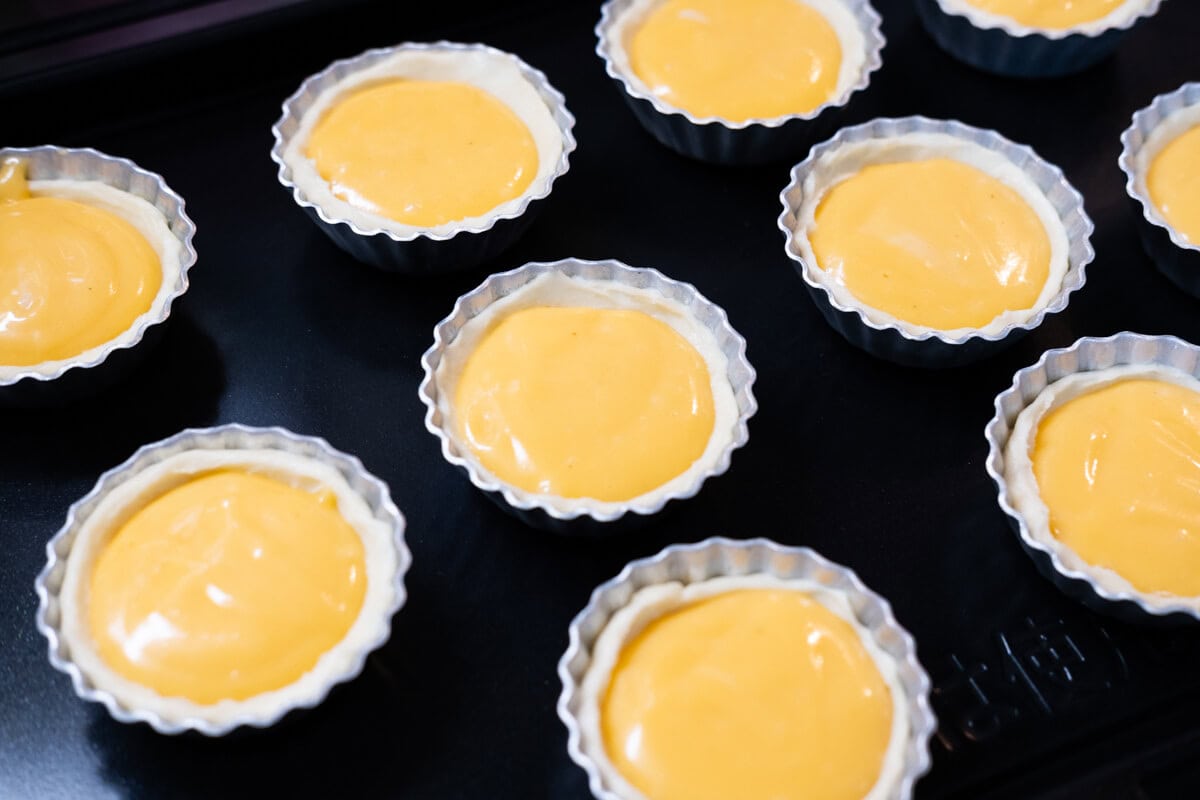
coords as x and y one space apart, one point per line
875 466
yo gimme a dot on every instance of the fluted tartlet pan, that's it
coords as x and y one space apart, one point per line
49 582
1005 47
720 557
587 517
101 367
1174 256
719 140
1055 561
932 348
417 251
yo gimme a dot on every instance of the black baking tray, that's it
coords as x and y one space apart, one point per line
876 466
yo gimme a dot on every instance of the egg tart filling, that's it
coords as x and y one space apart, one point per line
1050 14
230 585
936 243
929 232
426 140
1105 466
83 264
585 402
741 60
1055 17
752 686
1174 183
423 153
589 392
220 584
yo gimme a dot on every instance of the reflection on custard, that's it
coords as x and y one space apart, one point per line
935 243
1174 183
228 586
1119 470
758 694
72 276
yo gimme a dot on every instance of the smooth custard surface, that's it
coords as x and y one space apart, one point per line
1050 14
1119 470
1174 184
72 276
753 693
423 152
228 586
935 242
737 59
602 403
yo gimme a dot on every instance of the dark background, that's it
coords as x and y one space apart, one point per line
876 466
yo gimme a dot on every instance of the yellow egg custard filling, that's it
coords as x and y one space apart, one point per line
423 152
587 389
936 243
1174 183
1050 14
583 402
738 59
227 586
1118 468
73 275
759 693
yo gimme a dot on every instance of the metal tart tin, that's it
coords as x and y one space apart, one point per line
1085 355
721 141
226 437
934 348
1176 258
1018 51
80 378
421 252
717 557
532 509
